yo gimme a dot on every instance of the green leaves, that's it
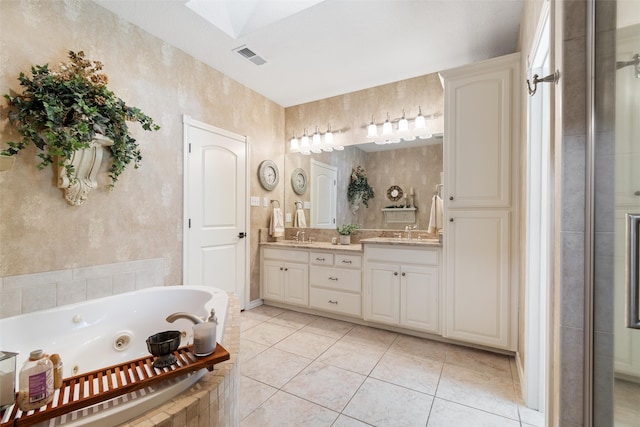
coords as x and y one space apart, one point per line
60 111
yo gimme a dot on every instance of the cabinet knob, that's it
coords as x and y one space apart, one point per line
395 273
450 197
450 219
319 259
281 268
636 193
346 261
404 274
333 302
335 279
286 269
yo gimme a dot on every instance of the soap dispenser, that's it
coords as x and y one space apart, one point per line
204 336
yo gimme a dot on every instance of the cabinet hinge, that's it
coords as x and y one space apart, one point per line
189 222
189 148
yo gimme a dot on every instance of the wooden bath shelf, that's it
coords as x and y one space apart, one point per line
98 386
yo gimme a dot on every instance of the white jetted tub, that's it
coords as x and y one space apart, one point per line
103 332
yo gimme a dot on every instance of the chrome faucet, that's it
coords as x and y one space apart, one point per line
298 233
195 319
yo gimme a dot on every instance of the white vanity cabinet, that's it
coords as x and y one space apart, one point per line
401 286
285 275
335 283
480 155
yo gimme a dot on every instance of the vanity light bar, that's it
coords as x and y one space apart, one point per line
402 132
316 143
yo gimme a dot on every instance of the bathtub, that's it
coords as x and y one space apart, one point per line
107 331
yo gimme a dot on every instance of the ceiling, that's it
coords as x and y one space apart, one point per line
316 49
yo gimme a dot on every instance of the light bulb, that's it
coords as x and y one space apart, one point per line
328 140
387 128
316 145
304 143
420 124
403 127
372 131
294 145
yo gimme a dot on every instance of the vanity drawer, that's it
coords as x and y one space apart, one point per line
336 278
336 301
286 255
321 258
349 261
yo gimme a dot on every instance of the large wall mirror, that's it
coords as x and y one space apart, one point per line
416 167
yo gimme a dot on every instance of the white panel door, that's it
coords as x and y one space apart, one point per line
477 267
382 293
419 298
479 110
324 180
215 208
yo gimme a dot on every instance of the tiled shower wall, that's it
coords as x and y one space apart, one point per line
39 291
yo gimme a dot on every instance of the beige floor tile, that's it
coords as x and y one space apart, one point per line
450 414
482 361
329 327
419 347
480 391
383 404
293 319
344 421
417 374
325 385
352 357
263 312
274 367
268 333
254 394
305 344
366 335
284 410
249 349
247 322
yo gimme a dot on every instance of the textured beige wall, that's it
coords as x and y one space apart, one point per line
142 217
350 113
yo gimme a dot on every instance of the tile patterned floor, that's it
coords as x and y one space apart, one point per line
303 370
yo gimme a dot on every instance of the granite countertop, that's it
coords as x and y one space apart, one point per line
313 245
354 247
433 243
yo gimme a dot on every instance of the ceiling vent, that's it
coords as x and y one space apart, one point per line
247 53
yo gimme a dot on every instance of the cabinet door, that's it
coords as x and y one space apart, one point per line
419 299
477 277
382 296
479 112
296 283
272 280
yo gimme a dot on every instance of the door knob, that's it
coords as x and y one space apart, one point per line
242 235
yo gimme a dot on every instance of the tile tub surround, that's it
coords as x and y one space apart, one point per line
214 400
39 291
301 369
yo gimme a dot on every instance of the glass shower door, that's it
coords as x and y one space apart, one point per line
626 326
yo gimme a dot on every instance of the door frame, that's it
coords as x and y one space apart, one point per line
188 121
537 307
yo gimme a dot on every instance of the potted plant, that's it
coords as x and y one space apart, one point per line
64 110
345 231
359 190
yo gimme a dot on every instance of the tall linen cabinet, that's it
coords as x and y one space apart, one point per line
481 181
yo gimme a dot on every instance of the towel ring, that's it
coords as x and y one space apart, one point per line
276 201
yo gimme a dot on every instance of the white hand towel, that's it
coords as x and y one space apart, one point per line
300 221
435 219
276 226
